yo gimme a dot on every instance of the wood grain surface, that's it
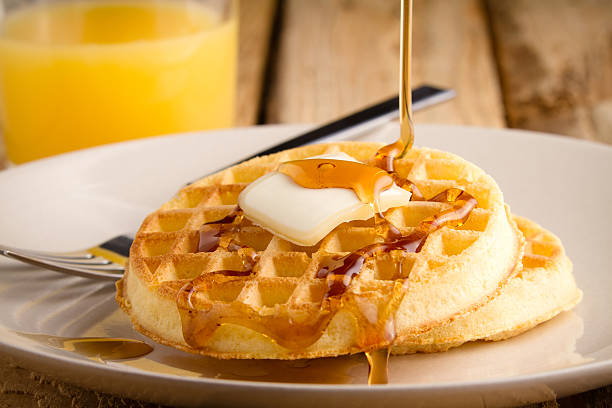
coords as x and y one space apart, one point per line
337 56
555 59
256 21
452 48
544 65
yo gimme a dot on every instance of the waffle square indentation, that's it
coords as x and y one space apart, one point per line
272 292
393 266
291 264
543 248
193 196
477 221
535 261
414 213
455 242
254 237
171 221
158 244
350 239
444 170
225 292
191 266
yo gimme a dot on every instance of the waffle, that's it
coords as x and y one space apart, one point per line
544 288
457 270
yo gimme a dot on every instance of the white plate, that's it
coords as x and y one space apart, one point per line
79 199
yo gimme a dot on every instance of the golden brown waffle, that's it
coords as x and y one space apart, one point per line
457 270
544 288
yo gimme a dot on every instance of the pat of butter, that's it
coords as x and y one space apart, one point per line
304 215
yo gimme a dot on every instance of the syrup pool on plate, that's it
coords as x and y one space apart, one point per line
75 74
96 348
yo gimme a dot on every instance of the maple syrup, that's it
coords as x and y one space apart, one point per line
340 275
210 233
378 364
200 318
366 181
387 154
95 348
211 238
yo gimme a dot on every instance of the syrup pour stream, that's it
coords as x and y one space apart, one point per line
200 317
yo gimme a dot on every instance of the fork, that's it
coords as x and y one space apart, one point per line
107 260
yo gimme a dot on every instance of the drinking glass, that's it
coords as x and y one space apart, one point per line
80 73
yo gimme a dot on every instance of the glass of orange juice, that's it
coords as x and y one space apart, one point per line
80 73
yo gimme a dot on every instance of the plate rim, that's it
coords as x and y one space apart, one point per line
294 128
548 375
590 369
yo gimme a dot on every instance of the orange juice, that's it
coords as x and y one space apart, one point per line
82 73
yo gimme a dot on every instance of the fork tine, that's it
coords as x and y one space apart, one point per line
84 272
65 265
102 265
92 261
83 260
49 255
94 267
86 258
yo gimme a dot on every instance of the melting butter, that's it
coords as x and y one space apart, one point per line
304 215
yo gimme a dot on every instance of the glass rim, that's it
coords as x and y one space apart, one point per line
227 16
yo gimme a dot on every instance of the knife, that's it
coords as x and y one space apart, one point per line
356 123
348 126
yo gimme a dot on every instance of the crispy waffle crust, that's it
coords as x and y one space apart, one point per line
457 270
544 288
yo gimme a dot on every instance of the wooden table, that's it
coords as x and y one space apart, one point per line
543 65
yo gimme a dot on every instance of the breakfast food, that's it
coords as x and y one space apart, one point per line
204 278
276 258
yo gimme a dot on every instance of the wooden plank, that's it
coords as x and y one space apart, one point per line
452 48
256 21
600 397
336 56
20 387
555 61
3 158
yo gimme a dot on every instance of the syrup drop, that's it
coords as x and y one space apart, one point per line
378 364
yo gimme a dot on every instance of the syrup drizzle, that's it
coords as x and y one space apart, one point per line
201 317
366 181
212 237
340 271
212 232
